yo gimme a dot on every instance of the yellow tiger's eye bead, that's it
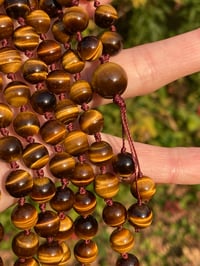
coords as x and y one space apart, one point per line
65 229
39 20
34 71
10 60
145 186
85 203
59 32
25 38
83 175
140 216
66 254
81 92
71 62
112 42
90 48
91 121
131 260
66 111
114 214
100 152
58 81
16 9
49 51
27 262
43 101
122 240
85 251
6 27
6 115
105 16
63 199
11 148
50 253
85 227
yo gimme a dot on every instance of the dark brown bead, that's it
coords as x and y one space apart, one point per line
83 174
11 148
51 7
59 32
39 20
26 262
6 27
24 217
84 203
26 124
112 42
62 165
10 60
49 51
17 93
105 16
16 9
43 101
50 253
90 48
123 164
35 155
91 121
131 260
122 240
6 115
34 71
140 216
71 62
85 227
1 232
63 199
48 224
58 81
81 92
66 111
114 214
65 230
19 183
25 245
85 251
75 19
100 152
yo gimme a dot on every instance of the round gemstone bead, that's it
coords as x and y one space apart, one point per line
89 48
112 42
6 27
71 62
10 60
66 111
123 164
85 227
83 174
132 260
51 7
122 240
114 214
49 51
34 71
43 101
91 121
63 199
6 115
84 203
140 216
26 262
100 152
58 81
145 187
105 16
39 20
85 251
59 32
11 148
50 253
65 230
81 92
16 9
109 79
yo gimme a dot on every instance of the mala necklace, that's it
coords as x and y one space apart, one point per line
46 124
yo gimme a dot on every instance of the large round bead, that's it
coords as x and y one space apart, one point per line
35 155
51 7
34 70
66 111
63 199
50 253
27 262
71 62
24 217
100 152
6 115
19 183
59 32
43 101
65 230
114 214
145 187
25 245
123 164
84 203
83 175
6 27
58 81
10 60
106 185
49 51
39 20
105 16
16 9
85 251
140 216
132 260
85 227
109 79
81 92
11 148
122 240
91 121
90 48
112 42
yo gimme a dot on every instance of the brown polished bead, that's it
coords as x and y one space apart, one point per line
26 262
114 214
51 7
83 174
112 42
26 124
6 115
66 111
11 148
71 62
91 121
66 254
62 165
24 217
131 260
10 60
43 189
85 227
16 9
34 70
39 20
65 230
106 185
19 183
1 232
59 32
49 51
43 101
122 240
63 199
100 152
76 143
81 92
140 216
25 244
17 93
75 19
48 224
90 48
50 253
145 187
6 27
84 203
35 155
25 38
105 16
85 251
123 164
58 81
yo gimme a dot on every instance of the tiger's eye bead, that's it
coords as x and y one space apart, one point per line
84 203
50 253
43 189
26 262
106 185
43 101
76 143
85 251
65 229
112 42
34 71
75 19
66 254
109 79
63 199
123 164
90 48
71 62
59 32
35 155
16 9
100 152
17 93
83 175
122 240
140 216
81 92
25 245
11 148
1 232
25 216
48 224
49 51
25 38
132 260
26 124
58 81
105 16
62 165
114 214
6 115
6 27
51 7
19 183
39 20
66 111
145 186
10 60
85 227
91 121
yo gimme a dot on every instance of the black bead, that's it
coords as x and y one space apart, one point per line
43 101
